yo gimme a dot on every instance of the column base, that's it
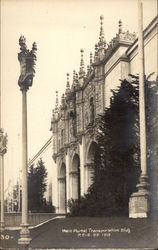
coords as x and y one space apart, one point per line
139 203
2 226
25 237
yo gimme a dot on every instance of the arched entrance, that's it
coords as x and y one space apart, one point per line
75 178
62 188
89 165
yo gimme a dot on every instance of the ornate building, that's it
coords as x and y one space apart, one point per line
73 122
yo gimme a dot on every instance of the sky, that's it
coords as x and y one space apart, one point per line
60 28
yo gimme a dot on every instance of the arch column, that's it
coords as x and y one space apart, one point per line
62 194
74 184
82 163
67 178
89 172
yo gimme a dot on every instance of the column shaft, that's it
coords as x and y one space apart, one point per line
67 176
82 168
24 159
141 91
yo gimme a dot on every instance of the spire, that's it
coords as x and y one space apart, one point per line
120 27
67 84
53 115
101 38
101 43
74 80
88 69
62 100
82 71
91 59
34 47
96 52
57 102
74 76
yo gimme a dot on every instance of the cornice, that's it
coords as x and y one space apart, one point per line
152 25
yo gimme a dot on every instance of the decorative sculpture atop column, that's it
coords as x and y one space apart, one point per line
27 60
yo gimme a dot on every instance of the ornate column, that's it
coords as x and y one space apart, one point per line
74 184
89 174
62 194
139 201
27 61
67 178
3 150
82 162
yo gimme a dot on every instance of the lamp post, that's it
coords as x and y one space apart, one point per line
3 150
139 201
27 60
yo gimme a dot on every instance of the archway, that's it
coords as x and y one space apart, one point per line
75 178
62 188
89 165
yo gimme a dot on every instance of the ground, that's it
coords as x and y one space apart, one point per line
111 232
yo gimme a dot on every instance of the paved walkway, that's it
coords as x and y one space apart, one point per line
111 232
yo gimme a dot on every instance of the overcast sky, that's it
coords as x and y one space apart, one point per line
60 28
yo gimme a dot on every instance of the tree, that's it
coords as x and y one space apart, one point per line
117 158
116 175
37 185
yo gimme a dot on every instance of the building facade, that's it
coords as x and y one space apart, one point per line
73 121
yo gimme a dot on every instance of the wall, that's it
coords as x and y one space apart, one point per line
14 219
150 53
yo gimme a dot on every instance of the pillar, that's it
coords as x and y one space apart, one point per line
88 175
74 184
25 237
82 162
62 194
67 179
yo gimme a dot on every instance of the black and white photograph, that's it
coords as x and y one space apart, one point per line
79 124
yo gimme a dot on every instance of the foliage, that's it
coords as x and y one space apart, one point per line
152 137
117 158
37 185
